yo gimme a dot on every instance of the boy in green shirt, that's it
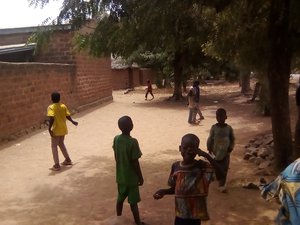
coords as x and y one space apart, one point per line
221 142
128 172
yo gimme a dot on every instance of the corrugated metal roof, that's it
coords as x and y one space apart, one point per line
6 49
22 30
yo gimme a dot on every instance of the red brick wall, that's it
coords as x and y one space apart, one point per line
26 87
147 74
25 91
11 39
94 78
120 79
58 50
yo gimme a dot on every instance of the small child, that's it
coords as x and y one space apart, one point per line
149 90
189 180
128 172
58 113
220 143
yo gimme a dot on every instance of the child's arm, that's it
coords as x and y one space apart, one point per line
232 140
211 161
71 120
162 192
51 121
210 140
137 169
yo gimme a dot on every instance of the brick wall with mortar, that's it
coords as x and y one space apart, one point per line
82 81
25 93
59 49
16 38
120 77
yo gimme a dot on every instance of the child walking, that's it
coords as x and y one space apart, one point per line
189 180
128 172
220 143
58 113
149 90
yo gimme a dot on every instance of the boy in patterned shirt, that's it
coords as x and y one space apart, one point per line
189 180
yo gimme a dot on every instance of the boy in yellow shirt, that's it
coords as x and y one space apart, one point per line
58 113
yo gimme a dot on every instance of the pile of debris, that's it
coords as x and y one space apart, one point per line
260 151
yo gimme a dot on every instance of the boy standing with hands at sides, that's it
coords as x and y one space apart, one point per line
189 180
128 172
220 143
58 113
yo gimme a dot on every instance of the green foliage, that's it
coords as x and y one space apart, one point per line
41 38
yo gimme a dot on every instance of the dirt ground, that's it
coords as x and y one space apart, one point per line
85 193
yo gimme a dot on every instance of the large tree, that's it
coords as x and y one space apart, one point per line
176 28
261 36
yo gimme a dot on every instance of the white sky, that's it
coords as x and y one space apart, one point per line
17 13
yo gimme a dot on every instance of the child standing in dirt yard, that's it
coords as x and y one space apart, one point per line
189 180
220 143
128 172
58 113
149 90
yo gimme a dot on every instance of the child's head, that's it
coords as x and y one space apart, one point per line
196 83
125 124
221 115
148 81
55 97
188 148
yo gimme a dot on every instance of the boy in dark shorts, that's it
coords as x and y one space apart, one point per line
189 180
128 172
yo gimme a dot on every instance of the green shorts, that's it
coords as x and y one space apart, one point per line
130 192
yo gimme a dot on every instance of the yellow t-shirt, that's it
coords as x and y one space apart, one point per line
59 111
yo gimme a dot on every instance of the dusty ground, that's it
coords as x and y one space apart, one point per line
85 193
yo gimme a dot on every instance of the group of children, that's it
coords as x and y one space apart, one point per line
189 178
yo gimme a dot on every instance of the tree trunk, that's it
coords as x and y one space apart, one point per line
297 136
178 68
245 82
278 76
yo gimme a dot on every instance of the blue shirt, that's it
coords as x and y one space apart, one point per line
286 187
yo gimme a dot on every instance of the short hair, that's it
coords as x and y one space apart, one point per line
55 97
191 137
125 123
196 83
221 111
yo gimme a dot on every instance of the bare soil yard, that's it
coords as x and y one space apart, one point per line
85 193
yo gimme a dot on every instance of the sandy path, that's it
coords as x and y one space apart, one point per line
84 194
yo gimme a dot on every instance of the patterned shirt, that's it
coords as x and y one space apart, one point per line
191 183
220 141
286 187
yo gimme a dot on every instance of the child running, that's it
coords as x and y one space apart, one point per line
58 113
189 180
220 143
128 172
